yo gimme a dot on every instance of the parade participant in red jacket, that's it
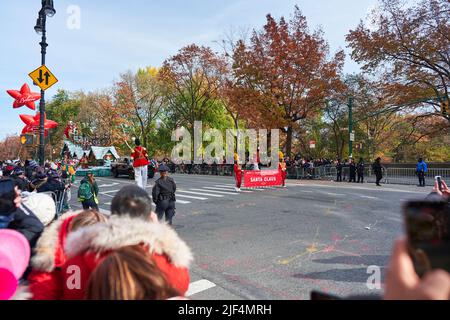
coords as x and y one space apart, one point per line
140 164
50 256
282 168
237 173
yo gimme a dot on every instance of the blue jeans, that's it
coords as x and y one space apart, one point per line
89 204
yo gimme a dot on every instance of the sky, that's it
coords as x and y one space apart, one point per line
111 37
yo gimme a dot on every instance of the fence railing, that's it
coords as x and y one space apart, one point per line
406 176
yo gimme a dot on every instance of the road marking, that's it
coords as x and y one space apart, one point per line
202 193
107 195
107 212
191 197
183 202
111 191
199 286
108 204
335 194
368 197
231 187
108 185
213 191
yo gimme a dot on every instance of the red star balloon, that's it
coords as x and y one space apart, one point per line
32 123
24 97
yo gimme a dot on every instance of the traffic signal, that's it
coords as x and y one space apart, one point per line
27 139
444 107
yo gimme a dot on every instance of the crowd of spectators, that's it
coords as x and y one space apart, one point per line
127 254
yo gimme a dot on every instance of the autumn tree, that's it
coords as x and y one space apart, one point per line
286 73
10 149
142 95
192 80
409 48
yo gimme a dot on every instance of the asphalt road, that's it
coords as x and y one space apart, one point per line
281 243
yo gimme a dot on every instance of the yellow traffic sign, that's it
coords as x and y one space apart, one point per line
43 77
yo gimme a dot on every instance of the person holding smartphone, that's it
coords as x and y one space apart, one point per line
418 269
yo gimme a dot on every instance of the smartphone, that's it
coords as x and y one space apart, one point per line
439 181
427 226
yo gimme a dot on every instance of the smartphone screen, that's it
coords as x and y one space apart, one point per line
427 227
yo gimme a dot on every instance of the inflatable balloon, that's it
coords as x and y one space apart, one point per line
32 123
24 97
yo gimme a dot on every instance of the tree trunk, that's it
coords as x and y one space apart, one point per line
288 142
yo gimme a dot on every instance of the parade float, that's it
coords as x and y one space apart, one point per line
96 159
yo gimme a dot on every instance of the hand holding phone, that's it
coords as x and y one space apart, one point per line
428 230
438 179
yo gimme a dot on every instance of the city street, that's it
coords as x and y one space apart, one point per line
281 243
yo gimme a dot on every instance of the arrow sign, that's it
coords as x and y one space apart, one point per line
43 77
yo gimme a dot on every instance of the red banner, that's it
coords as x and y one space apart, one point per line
262 178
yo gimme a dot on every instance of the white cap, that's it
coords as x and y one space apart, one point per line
42 205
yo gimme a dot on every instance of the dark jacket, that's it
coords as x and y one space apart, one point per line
352 169
164 189
26 222
22 183
360 168
377 168
52 185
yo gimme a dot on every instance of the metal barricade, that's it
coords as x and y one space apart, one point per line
58 197
409 175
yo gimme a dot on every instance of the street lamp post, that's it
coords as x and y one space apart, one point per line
350 127
40 28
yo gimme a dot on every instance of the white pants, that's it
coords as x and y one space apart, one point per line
140 176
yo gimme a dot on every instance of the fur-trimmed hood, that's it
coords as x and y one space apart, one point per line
122 231
50 242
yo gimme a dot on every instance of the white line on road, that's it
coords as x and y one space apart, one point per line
199 286
335 194
231 187
107 195
107 212
190 197
111 191
201 193
108 185
214 191
183 202
368 197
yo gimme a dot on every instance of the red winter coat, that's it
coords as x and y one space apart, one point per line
85 249
140 157
49 258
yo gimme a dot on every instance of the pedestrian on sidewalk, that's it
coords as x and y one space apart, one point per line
352 169
163 194
88 192
421 170
378 170
339 170
360 170
140 164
